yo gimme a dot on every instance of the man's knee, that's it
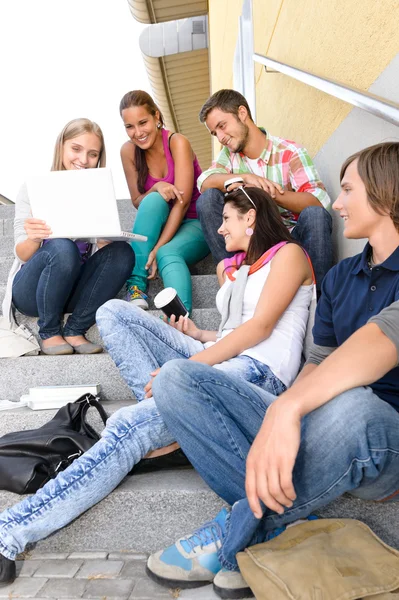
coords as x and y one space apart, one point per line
207 202
316 217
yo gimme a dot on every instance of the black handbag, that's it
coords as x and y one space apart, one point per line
28 459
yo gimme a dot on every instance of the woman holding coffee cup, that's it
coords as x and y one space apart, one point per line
161 171
264 299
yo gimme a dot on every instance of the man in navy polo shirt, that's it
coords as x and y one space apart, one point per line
336 430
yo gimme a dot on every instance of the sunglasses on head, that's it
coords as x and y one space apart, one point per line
241 187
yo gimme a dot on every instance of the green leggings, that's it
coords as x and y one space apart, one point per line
187 247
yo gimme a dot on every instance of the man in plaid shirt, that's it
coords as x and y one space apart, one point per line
282 168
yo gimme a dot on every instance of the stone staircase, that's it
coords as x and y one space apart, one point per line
145 512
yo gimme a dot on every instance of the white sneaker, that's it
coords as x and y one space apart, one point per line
231 584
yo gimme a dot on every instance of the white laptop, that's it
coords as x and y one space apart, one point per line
78 204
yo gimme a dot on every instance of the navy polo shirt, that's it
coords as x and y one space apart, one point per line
352 293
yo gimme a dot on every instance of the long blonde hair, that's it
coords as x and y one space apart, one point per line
71 130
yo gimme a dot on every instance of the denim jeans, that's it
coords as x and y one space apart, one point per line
351 444
187 247
313 231
140 343
129 435
54 281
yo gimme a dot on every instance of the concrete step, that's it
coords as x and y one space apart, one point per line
19 374
205 288
21 419
7 211
6 245
6 227
145 513
204 282
160 507
204 318
5 266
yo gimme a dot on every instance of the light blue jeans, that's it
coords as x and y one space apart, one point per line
351 444
139 343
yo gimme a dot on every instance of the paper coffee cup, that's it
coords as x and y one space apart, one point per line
169 302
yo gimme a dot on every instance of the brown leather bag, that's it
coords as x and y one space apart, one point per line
326 559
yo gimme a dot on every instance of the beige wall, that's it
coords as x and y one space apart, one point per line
346 40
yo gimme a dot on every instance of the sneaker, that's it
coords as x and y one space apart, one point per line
193 560
231 584
137 297
7 571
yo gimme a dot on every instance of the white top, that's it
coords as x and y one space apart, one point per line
254 166
282 350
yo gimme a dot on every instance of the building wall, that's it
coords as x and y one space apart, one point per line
351 42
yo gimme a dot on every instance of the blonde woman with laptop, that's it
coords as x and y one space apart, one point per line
50 277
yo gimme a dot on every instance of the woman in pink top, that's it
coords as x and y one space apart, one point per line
161 170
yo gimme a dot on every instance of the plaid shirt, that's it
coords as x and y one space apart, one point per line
282 162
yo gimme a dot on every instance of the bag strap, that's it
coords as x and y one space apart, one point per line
89 400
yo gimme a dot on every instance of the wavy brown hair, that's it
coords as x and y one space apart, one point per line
269 228
72 130
140 98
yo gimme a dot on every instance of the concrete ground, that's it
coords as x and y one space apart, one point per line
91 575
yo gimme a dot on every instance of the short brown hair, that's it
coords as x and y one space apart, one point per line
378 168
229 101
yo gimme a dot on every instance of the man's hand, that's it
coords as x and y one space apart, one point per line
148 387
271 459
261 182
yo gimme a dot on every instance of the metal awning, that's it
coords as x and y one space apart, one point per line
177 63
159 11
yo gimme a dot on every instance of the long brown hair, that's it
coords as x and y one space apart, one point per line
140 98
378 168
269 229
72 130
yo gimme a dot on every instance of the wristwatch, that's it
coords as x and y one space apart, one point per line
232 180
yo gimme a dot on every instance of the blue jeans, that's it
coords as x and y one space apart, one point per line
140 343
129 435
313 231
215 418
54 281
187 247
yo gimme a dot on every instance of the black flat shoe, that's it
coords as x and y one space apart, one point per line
174 460
7 571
